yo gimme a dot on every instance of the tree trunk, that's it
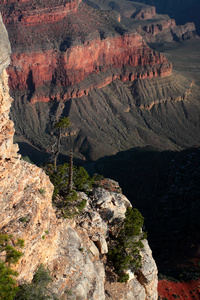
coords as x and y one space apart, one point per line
57 151
70 184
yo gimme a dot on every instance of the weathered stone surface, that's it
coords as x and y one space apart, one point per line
5 49
25 195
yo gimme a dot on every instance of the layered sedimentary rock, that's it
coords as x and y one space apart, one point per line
88 60
74 250
152 26
56 57
121 57
166 30
181 11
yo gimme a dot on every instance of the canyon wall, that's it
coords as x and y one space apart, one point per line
74 250
86 65
64 49
68 48
124 57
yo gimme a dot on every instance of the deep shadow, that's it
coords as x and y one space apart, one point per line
164 186
66 44
39 157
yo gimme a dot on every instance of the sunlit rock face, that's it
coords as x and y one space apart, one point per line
20 186
57 45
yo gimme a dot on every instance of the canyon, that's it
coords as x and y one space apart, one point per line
90 61
75 249
77 55
127 77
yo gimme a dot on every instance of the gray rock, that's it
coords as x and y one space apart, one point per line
5 49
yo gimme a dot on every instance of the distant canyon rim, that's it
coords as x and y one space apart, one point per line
90 61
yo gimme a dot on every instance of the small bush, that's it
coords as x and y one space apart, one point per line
68 202
60 178
8 285
124 250
123 277
42 276
23 219
38 288
41 191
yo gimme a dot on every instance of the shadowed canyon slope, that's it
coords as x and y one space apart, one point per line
164 186
90 62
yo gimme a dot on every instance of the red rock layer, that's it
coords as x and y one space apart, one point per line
37 15
115 57
181 290
64 49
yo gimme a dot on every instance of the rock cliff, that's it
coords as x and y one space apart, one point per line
144 19
74 250
62 50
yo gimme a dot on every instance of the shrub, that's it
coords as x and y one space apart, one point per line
124 250
60 178
38 287
67 201
41 191
23 219
8 285
12 255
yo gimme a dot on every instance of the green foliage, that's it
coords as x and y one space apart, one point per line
41 191
124 251
73 205
38 287
8 285
124 277
81 205
81 178
42 276
27 159
10 255
23 219
63 123
68 202
60 178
